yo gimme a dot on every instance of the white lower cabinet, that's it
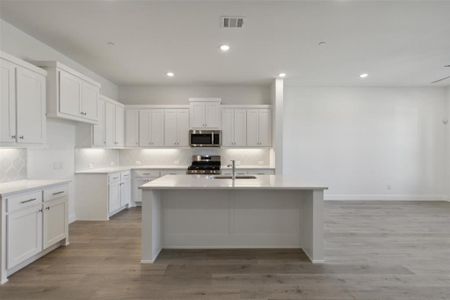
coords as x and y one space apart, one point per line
24 234
35 221
119 192
55 220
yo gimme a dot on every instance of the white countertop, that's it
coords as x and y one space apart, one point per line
161 167
270 182
11 187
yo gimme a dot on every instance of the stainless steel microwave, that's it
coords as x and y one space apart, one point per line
205 138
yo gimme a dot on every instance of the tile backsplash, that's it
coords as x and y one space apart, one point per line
184 156
13 164
89 158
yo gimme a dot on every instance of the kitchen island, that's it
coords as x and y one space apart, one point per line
205 212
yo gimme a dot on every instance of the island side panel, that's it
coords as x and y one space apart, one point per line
313 225
151 225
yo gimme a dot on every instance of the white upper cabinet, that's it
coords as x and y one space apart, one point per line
89 100
99 138
30 95
234 131
72 95
151 128
176 128
114 123
22 102
132 128
7 102
120 126
204 113
259 128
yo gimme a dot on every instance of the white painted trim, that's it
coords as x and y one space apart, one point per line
385 197
72 218
115 102
218 100
150 261
249 106
235 247
154 106
59 66
22 63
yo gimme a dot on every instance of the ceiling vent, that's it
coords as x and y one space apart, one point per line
232 22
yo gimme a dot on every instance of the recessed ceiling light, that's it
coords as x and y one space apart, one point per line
224 48
282 75
364 75
110 43
170 74
322 43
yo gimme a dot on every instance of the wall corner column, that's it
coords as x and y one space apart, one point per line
277 99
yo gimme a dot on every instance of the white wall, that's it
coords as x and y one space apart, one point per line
56 159
20 44
447 119
169 94
367 143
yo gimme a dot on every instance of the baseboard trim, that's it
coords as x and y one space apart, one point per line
384 197
72 218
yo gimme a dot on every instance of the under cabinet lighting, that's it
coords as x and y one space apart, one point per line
224 48
364 75
170 74
282 75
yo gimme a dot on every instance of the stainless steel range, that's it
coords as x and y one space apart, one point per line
204 164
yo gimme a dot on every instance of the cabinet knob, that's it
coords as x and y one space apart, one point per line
13 136
47 208
21 137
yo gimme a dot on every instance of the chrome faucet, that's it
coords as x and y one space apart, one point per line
233 167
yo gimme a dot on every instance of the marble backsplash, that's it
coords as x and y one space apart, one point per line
90 158
13 164
184 156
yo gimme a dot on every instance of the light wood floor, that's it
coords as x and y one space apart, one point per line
374 250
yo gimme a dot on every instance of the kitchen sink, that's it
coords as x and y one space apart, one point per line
237 177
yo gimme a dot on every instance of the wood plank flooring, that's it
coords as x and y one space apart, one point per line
374 250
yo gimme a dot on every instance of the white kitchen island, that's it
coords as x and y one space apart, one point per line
200 212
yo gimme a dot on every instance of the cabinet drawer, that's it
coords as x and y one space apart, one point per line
261 172
114 178
56 192
23 200
173 172
230 172
125 176
146 173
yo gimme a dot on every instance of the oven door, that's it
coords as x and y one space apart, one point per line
204 138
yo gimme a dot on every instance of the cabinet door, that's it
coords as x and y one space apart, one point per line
252 128
89 100
31 101
7 102
110 124
131 128
114 197
170 128
265 127
228 127
182 128
212 115
99 139
240 127
197 115
125 190
120 126
144 128
69 94
157 127
24 234
54 221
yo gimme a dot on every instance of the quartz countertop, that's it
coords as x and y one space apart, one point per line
12 187
268 182
114 169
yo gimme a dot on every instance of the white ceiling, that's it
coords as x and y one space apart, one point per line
396 42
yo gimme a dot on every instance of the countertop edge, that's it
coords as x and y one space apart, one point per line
37 186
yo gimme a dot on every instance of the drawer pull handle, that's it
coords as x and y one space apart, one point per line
26 201
57 193
47 208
